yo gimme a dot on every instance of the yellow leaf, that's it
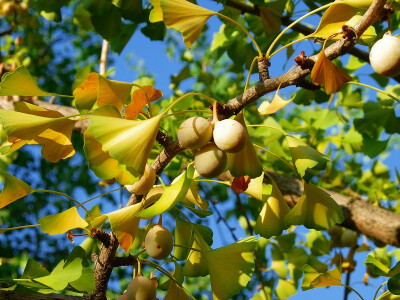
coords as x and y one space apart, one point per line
327 74
271 221
13 189
255 188
62 222
196 262
313 279
156 14
139 100
185 17
277 103
193 197
21 83
104 91
231 267
127 141
36 125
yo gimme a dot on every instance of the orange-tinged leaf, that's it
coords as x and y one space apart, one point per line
127 141
240 184
62 222
21 83
313 279
327 74
13 189
101 90
139 100
156 14
185 17
277 103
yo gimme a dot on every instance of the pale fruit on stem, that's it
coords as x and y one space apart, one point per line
194 133
145 183
210 161
158 242
229 135
141 288
385 56
348 238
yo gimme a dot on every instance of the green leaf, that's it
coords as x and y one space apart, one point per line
394 284
231 267
196 263
62 222
271 220
127 141
21 83
33 269
183 237
313 279
285 289
318 243
13 189
377 267
315 209
200 213
308 161
171 196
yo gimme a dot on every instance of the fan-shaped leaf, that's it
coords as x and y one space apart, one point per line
62 222
313 279
315 209
13 189
140 98
277 103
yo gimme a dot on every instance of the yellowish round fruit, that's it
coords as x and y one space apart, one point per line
385 56
141 288
210 161
194 133
158 242
348 238
229 135
8 8
145 183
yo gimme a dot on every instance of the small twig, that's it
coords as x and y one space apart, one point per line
7 32
101 235
263 71
129 260
104 57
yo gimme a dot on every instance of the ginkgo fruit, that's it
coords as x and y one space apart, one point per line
348 238
210 161
158 242
195 132
385 56
124 296
141 288
229 135
145 182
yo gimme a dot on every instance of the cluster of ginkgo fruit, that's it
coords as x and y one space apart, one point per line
228 136
8 8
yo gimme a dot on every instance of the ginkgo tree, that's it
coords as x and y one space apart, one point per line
285 160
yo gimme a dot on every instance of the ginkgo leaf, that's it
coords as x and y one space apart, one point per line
182 237
377 267
363 4
256 188
285 289
196 263
35 125
139 100
127 141
315 209
104 91
62 222
21 83
231 267
246 161
193 197
313 279
306 159
240 184
327 74
277 103
185 17
102 164
156 14
125 224
333 19
171 195
271 220
13 189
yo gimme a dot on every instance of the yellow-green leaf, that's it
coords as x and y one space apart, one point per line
196 262
156 14
256 188
185 17
62 222
13 189
246 161
21 83
183 237
315 209
127 141
306 159
271 220
313 279
285 289
193 197
231 267
171 195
